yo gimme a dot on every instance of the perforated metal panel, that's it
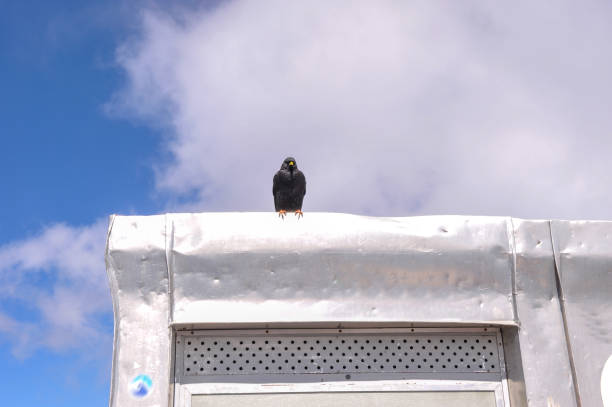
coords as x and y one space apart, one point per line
333 353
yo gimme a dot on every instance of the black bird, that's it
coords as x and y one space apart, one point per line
289 188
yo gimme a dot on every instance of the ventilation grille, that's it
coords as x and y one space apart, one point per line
344 353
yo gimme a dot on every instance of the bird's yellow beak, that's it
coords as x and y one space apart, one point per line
290 162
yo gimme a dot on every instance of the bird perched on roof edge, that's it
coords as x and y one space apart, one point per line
289 188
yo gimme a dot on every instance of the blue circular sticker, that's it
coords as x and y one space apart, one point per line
141 385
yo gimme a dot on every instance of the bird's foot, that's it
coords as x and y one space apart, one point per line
282 213
299 213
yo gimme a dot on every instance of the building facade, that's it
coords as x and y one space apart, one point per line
224 309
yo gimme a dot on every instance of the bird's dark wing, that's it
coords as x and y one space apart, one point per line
299 189
275 184
275 187
300 181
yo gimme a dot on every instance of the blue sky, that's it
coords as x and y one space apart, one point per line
391 108
60 147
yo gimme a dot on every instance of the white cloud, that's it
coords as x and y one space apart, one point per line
390 107
58 282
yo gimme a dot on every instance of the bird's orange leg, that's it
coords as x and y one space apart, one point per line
282 213
299 213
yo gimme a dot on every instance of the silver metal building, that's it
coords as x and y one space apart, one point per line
232 309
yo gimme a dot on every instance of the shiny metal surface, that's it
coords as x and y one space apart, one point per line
255 267
583 251
138 275
245 270
543 348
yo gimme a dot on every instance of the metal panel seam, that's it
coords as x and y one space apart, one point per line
503 368
169 243
167 247
512 244
556 259
113 286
